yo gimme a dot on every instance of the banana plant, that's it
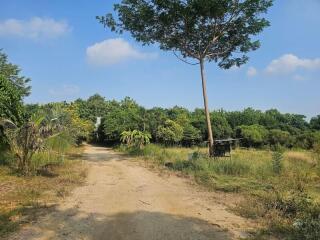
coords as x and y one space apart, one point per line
135 138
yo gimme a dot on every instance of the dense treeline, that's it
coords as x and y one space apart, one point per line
172 126
179 126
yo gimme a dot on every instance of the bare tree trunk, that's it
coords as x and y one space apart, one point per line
206 108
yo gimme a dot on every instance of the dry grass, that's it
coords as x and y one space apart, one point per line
21 198
278 199
300 156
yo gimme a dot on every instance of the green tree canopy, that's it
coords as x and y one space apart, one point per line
205 30
13 87
123 116
315 123
191 135
170 133
155 117
95 106
11 72
253 135
220 125
11 106
279 137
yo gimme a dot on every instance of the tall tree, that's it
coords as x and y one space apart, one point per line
315 123
11 106
11 72
95 106
204 30
13 87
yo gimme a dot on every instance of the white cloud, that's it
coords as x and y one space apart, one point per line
252 72
65 91
35 28
299 77
112 51
289 63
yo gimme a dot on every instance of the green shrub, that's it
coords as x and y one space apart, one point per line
288 214
307 226
6 157
302 214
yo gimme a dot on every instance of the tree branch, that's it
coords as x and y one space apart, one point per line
185 61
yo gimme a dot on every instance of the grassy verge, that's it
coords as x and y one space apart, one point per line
22 198
281 191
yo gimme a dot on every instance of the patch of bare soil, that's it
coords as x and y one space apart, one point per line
122 200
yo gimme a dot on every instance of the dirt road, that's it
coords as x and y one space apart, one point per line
123 200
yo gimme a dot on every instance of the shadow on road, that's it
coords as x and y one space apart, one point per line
141 225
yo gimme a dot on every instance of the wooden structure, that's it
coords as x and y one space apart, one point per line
223 147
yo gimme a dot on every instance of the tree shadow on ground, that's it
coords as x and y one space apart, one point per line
73 224
99 155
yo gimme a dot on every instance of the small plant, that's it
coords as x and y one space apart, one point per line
277 159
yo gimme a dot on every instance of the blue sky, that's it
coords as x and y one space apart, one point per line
68 54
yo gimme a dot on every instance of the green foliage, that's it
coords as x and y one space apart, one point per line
11 106
246 117
188 127
289 214
253 135
198 29
315 123
95 106
307 223
170 133
11 73
29 138
191 135
198 120
10 101
308 139
279 137
67 115
78 128
154 118
6 157
277 159
135 138
205 30
220 125
13 87
123 116
258 129
48 133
